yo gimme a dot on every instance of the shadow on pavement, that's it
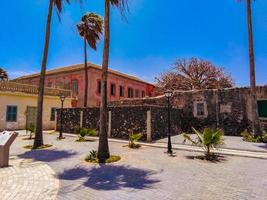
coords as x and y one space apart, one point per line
111 177
264 146
47 155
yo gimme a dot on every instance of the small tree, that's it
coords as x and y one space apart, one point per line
193 74
208 139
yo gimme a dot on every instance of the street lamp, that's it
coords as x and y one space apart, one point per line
62 99
168 95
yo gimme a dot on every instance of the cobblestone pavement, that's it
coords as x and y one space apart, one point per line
27 180
146 173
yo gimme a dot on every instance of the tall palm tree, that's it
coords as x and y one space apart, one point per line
103 149
3 75
253 100
90 28
58 4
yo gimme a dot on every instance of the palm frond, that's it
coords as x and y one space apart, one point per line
58 4
187 137
122 5
91 27
200 135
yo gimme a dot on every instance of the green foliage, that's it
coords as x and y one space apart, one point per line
87 132
92 157
31 129
133 138
264 137
209 139
249 137
83 132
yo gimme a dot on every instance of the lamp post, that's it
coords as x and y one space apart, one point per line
168 95
62 99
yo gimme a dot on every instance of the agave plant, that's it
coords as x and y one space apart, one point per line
210 138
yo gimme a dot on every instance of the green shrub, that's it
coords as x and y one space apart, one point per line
87 132
264 137
83 132
133 138
209 139
92 157
31 129
249 137
92 132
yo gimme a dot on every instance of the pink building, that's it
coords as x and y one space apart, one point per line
120 86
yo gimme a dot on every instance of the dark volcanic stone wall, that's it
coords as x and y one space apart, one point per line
159 117
127 120
91 118
70 120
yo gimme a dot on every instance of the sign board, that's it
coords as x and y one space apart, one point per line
6 139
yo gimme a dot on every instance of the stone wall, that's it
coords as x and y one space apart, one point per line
123 120
228 109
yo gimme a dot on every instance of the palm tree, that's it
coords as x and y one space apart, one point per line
103 149
253 97
3 75
208 140
58 4
90 28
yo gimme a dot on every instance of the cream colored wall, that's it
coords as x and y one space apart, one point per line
23 100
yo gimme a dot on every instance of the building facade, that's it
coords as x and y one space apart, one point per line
120 86
18 106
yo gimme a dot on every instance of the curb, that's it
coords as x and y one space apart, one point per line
229 152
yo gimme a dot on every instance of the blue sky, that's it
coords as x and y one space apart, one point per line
154 36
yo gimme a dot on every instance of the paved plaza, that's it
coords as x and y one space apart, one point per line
147 173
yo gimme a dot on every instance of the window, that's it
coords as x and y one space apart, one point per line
143 94
137 93
130 92
121 91
113 89
200 109
262 108
74 86
99 87
11 113
53 114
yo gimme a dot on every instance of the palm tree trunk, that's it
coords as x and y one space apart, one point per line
85 74
253 97
103 149
38 141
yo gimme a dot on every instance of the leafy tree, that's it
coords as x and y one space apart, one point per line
3 75
58 5
90 28
194 74
103 148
